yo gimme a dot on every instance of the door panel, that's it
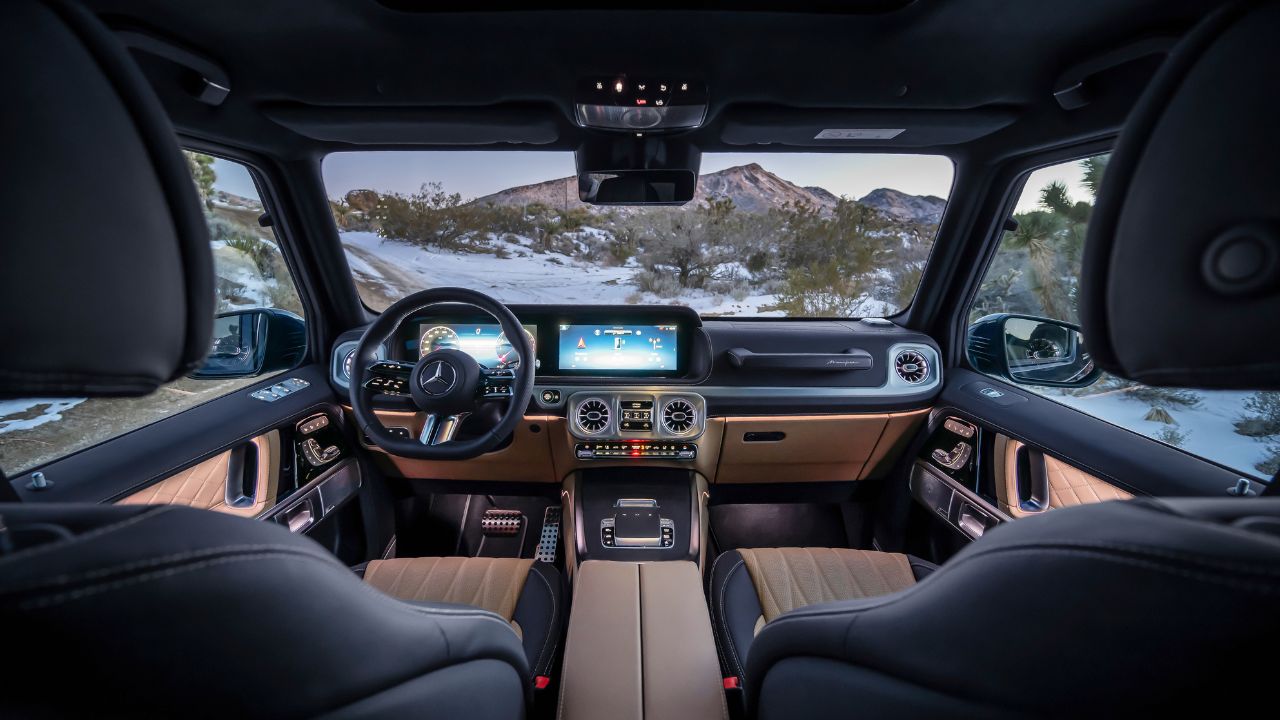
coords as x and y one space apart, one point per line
241 481
1126 460
1029 482
288 461
993 453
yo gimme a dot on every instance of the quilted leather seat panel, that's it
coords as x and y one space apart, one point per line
791 578
490 583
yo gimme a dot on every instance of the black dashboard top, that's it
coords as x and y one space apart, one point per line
739 366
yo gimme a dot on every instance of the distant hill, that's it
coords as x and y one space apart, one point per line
925 209
750 187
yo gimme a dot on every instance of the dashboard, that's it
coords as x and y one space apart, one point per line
722 366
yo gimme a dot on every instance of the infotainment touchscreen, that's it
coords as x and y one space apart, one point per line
618 347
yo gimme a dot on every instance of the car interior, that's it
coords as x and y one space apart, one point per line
385 358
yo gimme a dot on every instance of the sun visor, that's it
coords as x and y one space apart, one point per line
803 127
520 123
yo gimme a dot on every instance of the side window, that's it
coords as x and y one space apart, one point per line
1036 271
250 274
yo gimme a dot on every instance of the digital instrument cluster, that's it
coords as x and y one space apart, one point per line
486 342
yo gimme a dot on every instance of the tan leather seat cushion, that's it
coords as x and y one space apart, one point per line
490 583
790 578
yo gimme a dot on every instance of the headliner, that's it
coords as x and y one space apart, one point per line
310 76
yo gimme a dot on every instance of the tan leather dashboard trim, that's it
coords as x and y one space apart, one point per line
1067 485
204 485
814 448
526 459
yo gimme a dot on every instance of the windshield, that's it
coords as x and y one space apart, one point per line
768 234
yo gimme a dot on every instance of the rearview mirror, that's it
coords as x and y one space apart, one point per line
637 187
1031 351
247 343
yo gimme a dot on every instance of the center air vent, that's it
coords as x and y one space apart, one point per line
911 366
592 416
679 416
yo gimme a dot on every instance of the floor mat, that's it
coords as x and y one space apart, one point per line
788 525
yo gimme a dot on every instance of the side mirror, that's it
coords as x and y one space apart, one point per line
247 343
1031 351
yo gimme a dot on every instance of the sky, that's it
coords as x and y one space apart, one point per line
478 173
474 174
1070 173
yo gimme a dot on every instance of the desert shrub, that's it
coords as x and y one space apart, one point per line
1264 415
664 285
1166 398
821 290
1172 436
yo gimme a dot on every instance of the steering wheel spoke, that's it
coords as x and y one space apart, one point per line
388 377
437 429
495 383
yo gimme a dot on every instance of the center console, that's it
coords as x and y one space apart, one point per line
640 645
637 514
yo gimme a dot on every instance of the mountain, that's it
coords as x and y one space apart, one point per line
750 187
754 189
896 204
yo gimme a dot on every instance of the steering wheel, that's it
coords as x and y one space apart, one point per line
447 384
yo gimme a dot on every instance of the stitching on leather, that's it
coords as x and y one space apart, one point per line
552 624
61 598
96 532
718 618
151 562
729 637
1098 553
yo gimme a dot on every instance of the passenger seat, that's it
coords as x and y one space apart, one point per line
527 594
751 587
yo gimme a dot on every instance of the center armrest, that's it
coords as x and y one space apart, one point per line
640 645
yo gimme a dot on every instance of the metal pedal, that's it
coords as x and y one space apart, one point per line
501 523
550 536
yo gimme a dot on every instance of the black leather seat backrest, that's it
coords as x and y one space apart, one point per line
106 275
1180 283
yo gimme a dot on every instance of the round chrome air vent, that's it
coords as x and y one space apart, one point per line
679 416
911 366
347 364
592 416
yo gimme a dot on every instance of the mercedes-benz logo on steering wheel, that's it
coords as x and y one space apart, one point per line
437 378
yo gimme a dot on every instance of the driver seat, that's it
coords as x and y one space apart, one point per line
162 611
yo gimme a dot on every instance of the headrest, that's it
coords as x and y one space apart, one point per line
1180 283
106 275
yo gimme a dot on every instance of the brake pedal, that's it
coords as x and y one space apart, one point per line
501 523
550 536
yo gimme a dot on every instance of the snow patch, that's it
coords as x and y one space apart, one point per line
27 414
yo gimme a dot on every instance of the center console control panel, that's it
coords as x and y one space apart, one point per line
636 424
637 523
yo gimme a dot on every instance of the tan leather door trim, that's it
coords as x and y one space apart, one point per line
204 485
1065 485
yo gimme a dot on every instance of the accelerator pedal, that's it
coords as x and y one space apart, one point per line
550 535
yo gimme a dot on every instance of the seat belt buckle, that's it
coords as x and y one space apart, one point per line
541 682
734 698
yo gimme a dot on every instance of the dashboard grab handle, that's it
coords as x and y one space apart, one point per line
851 359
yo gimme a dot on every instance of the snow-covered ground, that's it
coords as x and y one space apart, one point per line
32 413
523 276
1209 426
